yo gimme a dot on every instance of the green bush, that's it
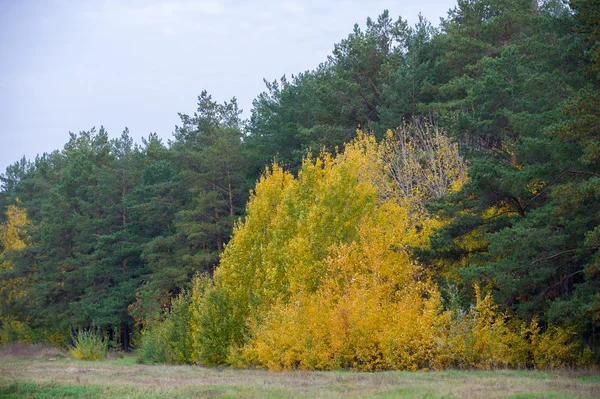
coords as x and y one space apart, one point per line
217 325
169 341
154 347
201 327
89 345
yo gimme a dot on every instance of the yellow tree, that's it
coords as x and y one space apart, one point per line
321 266
13 237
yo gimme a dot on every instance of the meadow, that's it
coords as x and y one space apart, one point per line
44 372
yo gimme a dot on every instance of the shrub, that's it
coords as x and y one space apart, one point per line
170 340
216 323
486 338
370 313
556 348
154 347
482 338
89 345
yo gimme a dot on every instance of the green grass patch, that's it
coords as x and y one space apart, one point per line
20 390
591 379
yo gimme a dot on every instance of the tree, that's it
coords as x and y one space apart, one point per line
518 223
190 196
362 65
86 262
410 83
13 285
294 118
207 151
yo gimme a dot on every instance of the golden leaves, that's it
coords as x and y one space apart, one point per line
328 280
321 273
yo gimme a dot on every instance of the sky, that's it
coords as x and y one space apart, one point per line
70 65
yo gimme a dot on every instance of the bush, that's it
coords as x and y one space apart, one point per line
154 347
201 327
169 341
320 275
217 324
556 348
89 345
484 337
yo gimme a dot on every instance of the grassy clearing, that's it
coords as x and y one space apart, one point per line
51 376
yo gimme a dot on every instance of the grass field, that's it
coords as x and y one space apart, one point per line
48 374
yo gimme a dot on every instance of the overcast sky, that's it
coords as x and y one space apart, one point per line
69 65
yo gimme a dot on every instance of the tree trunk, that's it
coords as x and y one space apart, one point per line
125 337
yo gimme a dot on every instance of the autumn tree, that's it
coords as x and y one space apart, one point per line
328 246
13 285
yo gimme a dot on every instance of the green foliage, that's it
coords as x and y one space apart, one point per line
190 197
521 223
217 324
89 345
154 347
587 17
294 118
169 341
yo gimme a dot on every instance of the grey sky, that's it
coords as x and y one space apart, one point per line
69 65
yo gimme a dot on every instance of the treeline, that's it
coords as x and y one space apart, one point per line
116 229
107 233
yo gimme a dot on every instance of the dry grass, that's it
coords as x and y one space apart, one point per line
24 351
47 376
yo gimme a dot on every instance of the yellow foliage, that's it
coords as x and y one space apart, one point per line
554 348
486 338
12 238
12 232
56 338
481 338
89 345
322 266
14 330
369 313
252 261
319 275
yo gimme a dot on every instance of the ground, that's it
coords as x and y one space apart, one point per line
51 374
